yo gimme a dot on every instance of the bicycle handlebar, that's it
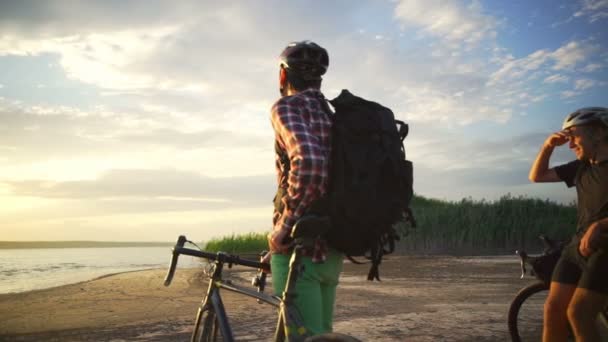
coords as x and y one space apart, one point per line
181 240
220 256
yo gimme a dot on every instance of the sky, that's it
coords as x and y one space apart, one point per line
142 120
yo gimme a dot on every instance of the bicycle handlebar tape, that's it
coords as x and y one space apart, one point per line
178 245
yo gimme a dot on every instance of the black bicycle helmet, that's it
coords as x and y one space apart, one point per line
305 58
586 116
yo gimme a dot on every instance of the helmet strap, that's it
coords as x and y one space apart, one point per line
595 143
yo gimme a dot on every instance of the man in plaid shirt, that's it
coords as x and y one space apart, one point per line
302 125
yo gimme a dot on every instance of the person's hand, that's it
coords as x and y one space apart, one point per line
557 139
266 259
278 242
591 240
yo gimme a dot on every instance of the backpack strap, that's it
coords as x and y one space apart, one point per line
354 261
376 258
378 251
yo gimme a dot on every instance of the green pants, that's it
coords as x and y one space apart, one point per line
315 288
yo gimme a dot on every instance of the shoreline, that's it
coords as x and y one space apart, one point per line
36 269
79 244
95 278
75 283
346 261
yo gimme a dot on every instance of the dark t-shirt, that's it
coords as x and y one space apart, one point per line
591 182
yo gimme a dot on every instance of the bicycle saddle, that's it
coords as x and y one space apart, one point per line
310 226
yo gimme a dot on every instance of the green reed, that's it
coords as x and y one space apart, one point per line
459 227
471 227
249 243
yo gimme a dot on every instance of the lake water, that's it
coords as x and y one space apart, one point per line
39 268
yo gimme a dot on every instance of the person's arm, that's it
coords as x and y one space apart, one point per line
307 170
540 171
595 237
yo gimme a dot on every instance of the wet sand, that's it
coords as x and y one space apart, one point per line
420 298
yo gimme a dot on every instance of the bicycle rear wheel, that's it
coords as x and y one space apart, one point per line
526 313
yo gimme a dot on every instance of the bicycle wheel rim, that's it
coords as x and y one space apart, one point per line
525 319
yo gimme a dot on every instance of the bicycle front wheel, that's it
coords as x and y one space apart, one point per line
526 313
208 328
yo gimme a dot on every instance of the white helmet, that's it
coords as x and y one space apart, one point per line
585 116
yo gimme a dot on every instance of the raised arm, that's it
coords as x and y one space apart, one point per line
540 171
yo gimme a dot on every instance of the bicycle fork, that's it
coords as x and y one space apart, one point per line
212 303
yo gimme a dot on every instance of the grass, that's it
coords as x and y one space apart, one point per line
461 227
480 227
250 243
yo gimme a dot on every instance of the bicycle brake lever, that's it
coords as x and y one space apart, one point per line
259 281
522 263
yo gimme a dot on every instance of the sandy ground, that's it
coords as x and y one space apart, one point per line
419 299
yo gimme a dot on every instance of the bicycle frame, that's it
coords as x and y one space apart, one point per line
213 299
289 324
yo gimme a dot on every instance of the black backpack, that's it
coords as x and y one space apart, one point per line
371 182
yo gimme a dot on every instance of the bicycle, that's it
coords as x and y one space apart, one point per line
211 323
525 318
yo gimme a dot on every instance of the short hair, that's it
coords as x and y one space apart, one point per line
598 127
299 83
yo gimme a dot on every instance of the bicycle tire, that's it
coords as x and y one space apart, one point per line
210 331
516 304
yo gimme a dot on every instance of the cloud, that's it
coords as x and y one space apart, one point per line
593 10
171 57
591 67
571 54
250 191
424 103
583 84
193 140
556 78
566 94
179 91
564 58
49 128
68 143
165 46
106 59
451 21
485 167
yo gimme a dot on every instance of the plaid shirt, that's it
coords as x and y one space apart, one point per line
302 130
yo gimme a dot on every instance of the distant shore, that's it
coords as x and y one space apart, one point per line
78 244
